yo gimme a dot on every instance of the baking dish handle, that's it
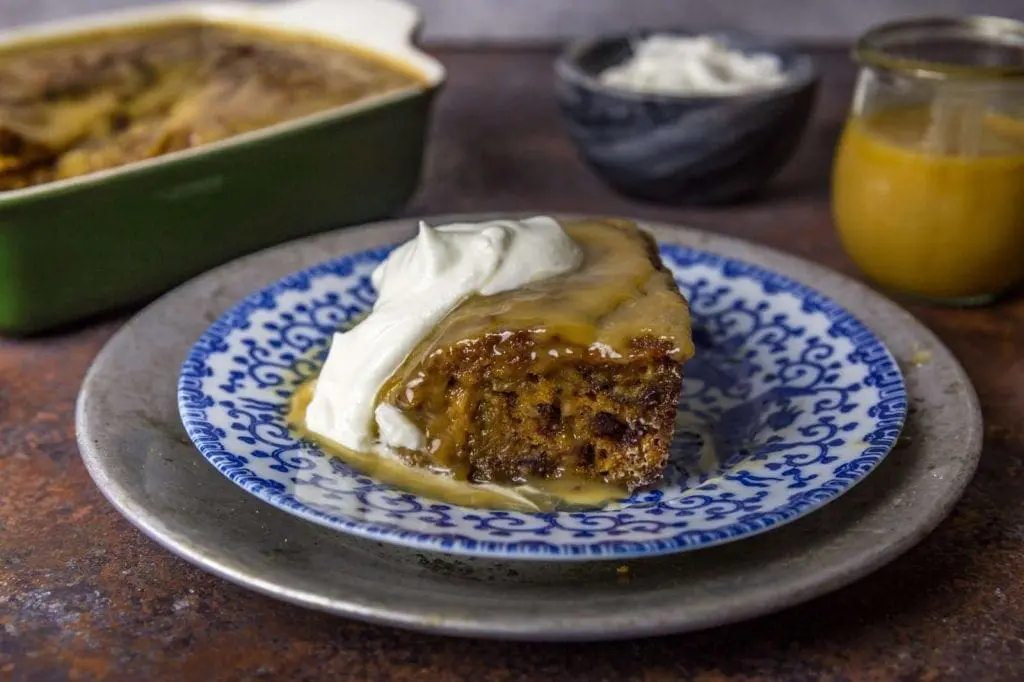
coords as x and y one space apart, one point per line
382 24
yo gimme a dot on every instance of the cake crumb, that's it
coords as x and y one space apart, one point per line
605 351
921 357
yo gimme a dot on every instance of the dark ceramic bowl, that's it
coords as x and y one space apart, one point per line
683 149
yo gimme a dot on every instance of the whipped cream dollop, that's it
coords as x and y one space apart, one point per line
701 65
418 284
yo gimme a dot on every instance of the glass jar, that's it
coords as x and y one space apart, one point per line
928 183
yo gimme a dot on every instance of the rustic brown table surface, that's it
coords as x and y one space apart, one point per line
84 596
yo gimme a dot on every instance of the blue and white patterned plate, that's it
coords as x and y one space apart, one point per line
795 398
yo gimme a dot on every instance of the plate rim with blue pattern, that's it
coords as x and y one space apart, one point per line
209 412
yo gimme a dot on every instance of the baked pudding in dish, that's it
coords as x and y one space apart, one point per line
74 106
513 352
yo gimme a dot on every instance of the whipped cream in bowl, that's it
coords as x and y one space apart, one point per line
685 119
418 284
694 65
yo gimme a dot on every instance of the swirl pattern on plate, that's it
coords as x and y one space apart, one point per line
789 402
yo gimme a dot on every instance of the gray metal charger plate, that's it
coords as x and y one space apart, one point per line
139 455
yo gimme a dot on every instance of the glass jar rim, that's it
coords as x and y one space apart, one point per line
875 47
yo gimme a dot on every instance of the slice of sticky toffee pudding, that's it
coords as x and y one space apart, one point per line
577 374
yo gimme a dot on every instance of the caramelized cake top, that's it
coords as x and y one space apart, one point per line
615 301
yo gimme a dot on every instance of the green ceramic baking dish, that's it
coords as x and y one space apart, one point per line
73 248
